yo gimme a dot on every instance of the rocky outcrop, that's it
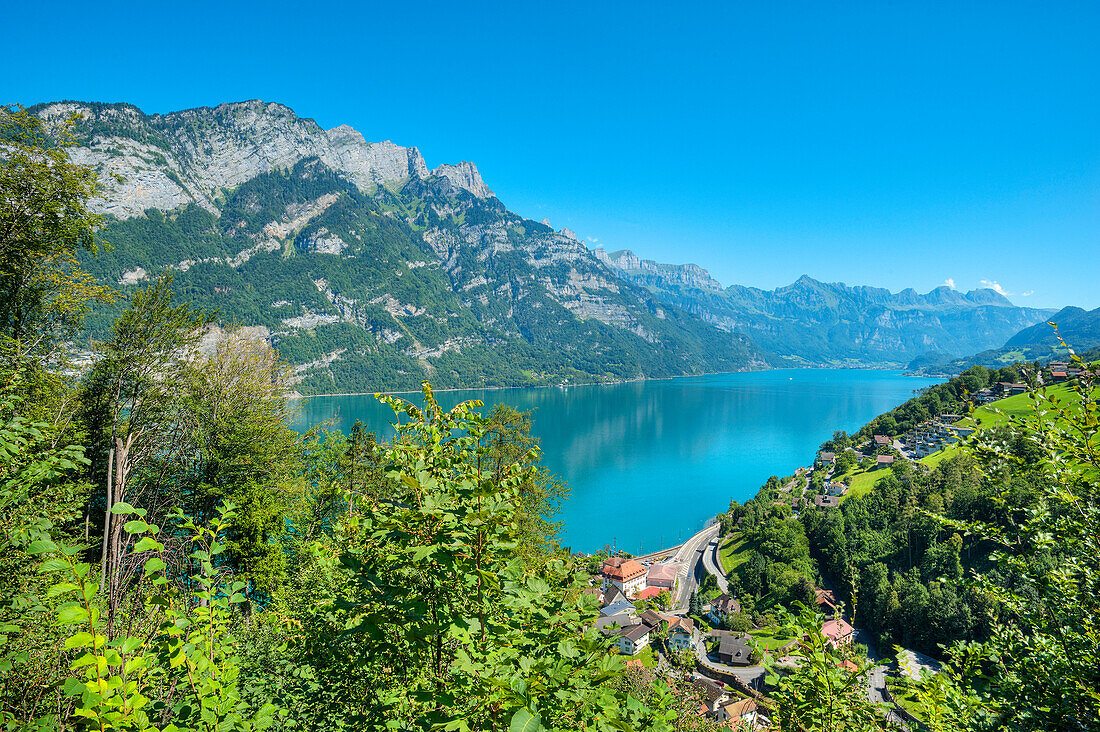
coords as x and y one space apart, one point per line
465 175
193 156
657 274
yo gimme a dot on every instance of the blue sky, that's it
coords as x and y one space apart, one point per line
890 144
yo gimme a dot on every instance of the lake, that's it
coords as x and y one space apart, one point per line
649 462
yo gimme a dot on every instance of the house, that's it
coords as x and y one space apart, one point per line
612 595
681 632
619 606
633 639
742 712
1058 375
826 501
984 396
882 440
882 461
663 574
619 620
626 574
734 650
722 606
826 601
837 488
828 458
838 631
950 418
649 593
711 693
1058 365
1010 388
652 619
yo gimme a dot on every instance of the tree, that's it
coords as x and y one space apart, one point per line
453 628
510 443
1044 636
241 450
133 401
45 223
818 693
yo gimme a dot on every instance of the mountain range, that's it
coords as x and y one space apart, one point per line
831 324
365 268
368 270
1077 328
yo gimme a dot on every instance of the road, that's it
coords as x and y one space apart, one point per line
876 679
689 555
710 564
751 675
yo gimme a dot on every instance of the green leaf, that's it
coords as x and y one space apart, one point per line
122 507
41 546
54 564
130 644
79 640
136 527
524 721
147 543
73 687
156 564
70 614
61 588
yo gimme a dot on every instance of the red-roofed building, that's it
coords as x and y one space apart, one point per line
626 574
838 631
648 593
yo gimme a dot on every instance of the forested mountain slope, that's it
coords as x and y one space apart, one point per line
820 323
367 270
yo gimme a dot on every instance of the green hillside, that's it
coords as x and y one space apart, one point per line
384 312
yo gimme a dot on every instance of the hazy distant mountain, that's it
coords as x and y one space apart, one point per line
1080 329
367 269
833 324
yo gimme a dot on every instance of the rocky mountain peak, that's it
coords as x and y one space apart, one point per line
167 161
680 275
466 176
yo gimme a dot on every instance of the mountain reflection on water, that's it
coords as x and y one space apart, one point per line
649 462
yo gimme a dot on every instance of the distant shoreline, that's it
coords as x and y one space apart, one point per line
532 386
299 396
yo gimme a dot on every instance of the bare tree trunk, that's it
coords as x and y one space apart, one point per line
106 521
122 452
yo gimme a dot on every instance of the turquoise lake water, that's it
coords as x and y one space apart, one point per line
649 462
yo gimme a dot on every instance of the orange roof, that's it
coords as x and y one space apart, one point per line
648 593
737 709
618 568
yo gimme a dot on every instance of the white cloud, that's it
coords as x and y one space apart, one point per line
1029 293
949 282
995 286
593 239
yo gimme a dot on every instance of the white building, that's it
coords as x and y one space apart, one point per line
633 639
626 574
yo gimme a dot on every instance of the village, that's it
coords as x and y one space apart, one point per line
649 610
672 614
